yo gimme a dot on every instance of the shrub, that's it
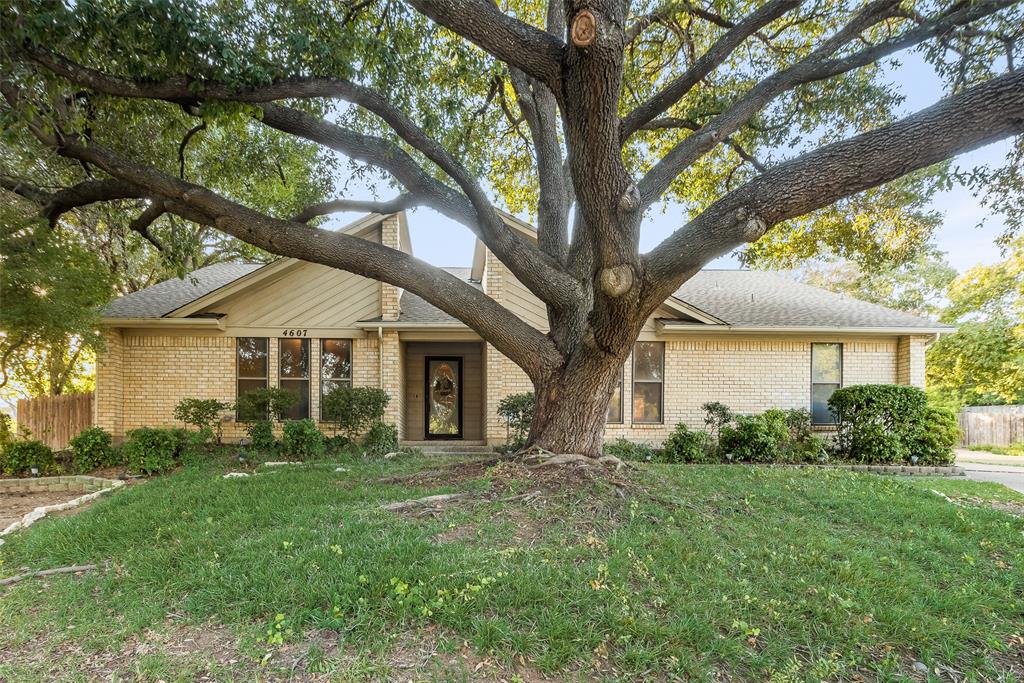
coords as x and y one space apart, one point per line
757 438
686 445
878 423
6 430
264 404
716 416
201 413
91 449
152 451
517 412
302 440
20 456
938 433
624 449
261 436
352 410
381 439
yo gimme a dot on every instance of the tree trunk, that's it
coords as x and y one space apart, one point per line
572 405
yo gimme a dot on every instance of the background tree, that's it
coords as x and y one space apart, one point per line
758 118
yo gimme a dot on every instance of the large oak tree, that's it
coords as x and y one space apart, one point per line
586 112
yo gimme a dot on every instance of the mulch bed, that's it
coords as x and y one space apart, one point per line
14 506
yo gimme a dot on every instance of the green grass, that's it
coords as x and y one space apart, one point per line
1012 449
958 488
742 573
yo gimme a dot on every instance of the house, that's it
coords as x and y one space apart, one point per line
751 340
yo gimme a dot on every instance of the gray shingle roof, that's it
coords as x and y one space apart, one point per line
740 298
415 309
751 298
169 295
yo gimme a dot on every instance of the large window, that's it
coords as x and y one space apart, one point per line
335 367
250 364
826 377
615 404
648 382
293 375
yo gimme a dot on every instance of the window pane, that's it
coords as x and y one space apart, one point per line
826 363
647 361
820 413
615 404
299 387
335 359
294 358
252 356
647 402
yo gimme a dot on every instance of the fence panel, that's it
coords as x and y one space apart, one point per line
991 425
55 420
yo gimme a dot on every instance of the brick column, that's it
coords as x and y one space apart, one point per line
910 360
109 405
390 236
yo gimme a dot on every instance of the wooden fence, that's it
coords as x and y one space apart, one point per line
55 420
991 425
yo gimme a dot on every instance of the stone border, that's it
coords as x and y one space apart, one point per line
93 486
906 470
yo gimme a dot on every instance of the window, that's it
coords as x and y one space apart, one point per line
826 377
335 367
250 364
615 404
293 376
648 381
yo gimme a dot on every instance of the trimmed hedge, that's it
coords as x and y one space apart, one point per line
152 451
19 457
92 449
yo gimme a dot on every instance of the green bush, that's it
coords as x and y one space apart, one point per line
264 404
381 439
624 449
152 451
757 438
6 430
261 436
716 416
352 410
938 434
201 413
302 440
878 423
686 445
517 412
20 456
91 449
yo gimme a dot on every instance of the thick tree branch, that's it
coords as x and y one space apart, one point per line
142 222
54 204
978 116
708 62
535 52
817 66
541 273
399 203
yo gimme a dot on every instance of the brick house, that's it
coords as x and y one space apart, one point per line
751 340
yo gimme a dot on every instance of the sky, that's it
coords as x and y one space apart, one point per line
443 242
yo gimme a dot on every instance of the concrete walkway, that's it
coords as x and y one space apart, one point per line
1001 469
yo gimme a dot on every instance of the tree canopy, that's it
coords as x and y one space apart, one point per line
772 123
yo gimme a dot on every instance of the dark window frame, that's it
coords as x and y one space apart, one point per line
661 384
308 379
351 369
239 377
622 400
839 385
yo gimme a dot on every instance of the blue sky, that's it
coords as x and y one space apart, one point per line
442 242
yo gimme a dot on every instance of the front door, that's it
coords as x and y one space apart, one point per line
443 392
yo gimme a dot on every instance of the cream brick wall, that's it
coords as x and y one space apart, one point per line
747 374
910 368
390 235
109 403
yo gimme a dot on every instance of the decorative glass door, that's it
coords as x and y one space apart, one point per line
443 405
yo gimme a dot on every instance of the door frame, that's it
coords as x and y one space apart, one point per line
426 397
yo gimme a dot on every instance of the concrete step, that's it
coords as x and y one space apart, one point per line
442 446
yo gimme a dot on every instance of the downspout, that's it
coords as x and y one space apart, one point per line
380 357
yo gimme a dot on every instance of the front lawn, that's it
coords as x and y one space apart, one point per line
728 571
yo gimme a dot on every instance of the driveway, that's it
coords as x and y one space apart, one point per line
983 466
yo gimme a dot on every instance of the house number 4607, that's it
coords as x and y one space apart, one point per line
294 333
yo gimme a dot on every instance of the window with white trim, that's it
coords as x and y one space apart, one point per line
649 382
826 377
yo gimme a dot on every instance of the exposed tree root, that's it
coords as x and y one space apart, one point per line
73 569
429 501
538 457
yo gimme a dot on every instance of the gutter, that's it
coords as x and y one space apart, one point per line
687 328
179 323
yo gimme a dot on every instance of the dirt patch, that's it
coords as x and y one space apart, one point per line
14 506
